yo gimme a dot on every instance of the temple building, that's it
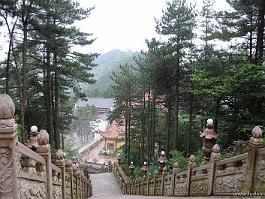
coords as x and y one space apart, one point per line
114 136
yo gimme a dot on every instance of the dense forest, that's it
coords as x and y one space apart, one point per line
41 72
205 64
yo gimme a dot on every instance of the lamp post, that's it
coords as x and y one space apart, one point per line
33 142
131 167
119 158
162 161
209 137
145 168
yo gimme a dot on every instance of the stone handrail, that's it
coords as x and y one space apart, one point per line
25 173
121 177
237 176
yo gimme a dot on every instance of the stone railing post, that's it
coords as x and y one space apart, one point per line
148 187
255 143
8 142
215 156
175 171
59 162
154 191
191 166
69 170
164 173
77 177
44 150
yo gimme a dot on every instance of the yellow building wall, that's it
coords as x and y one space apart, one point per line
117 144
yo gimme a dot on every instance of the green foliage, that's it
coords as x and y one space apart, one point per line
179 157
68 150
106 65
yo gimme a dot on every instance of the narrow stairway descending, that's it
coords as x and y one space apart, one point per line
104 185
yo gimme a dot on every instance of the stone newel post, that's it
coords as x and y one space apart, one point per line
69 170
59 162
44 150
255 143
8 144
215 156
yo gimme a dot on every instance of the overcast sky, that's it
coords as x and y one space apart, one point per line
124 24
119 24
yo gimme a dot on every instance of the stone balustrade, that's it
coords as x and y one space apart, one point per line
26 174
242 175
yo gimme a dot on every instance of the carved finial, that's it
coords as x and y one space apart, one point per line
192 158
59 154
43 137
164 171
216 148
43 147
68 163
176 167
192 163
215 152
7 107
256 135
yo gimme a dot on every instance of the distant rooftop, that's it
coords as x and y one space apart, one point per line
97 102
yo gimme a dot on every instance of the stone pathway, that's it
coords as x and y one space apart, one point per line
94 153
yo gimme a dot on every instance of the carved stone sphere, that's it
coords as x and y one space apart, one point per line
216 148
257 132
192 158
176 165
43 137
59 154
68 163
7 107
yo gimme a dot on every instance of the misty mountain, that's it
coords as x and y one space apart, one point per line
107 63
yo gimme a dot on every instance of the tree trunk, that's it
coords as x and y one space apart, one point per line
190 124
153 126
56 104
49 108
149 125
143 128
168 129
129 125
126 133
24 74
260 36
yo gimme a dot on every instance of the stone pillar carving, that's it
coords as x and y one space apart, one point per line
8 143
59 162
191 166
69 170
255 143
215 156
76 174
175 171
44 150
164 173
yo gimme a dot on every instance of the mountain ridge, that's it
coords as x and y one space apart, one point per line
107 63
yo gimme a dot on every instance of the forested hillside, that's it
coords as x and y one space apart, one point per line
107 63
187 77
41 68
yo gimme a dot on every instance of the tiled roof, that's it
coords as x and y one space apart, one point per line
114 131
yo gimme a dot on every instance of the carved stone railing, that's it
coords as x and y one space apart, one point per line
28 174
242 175
121 177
